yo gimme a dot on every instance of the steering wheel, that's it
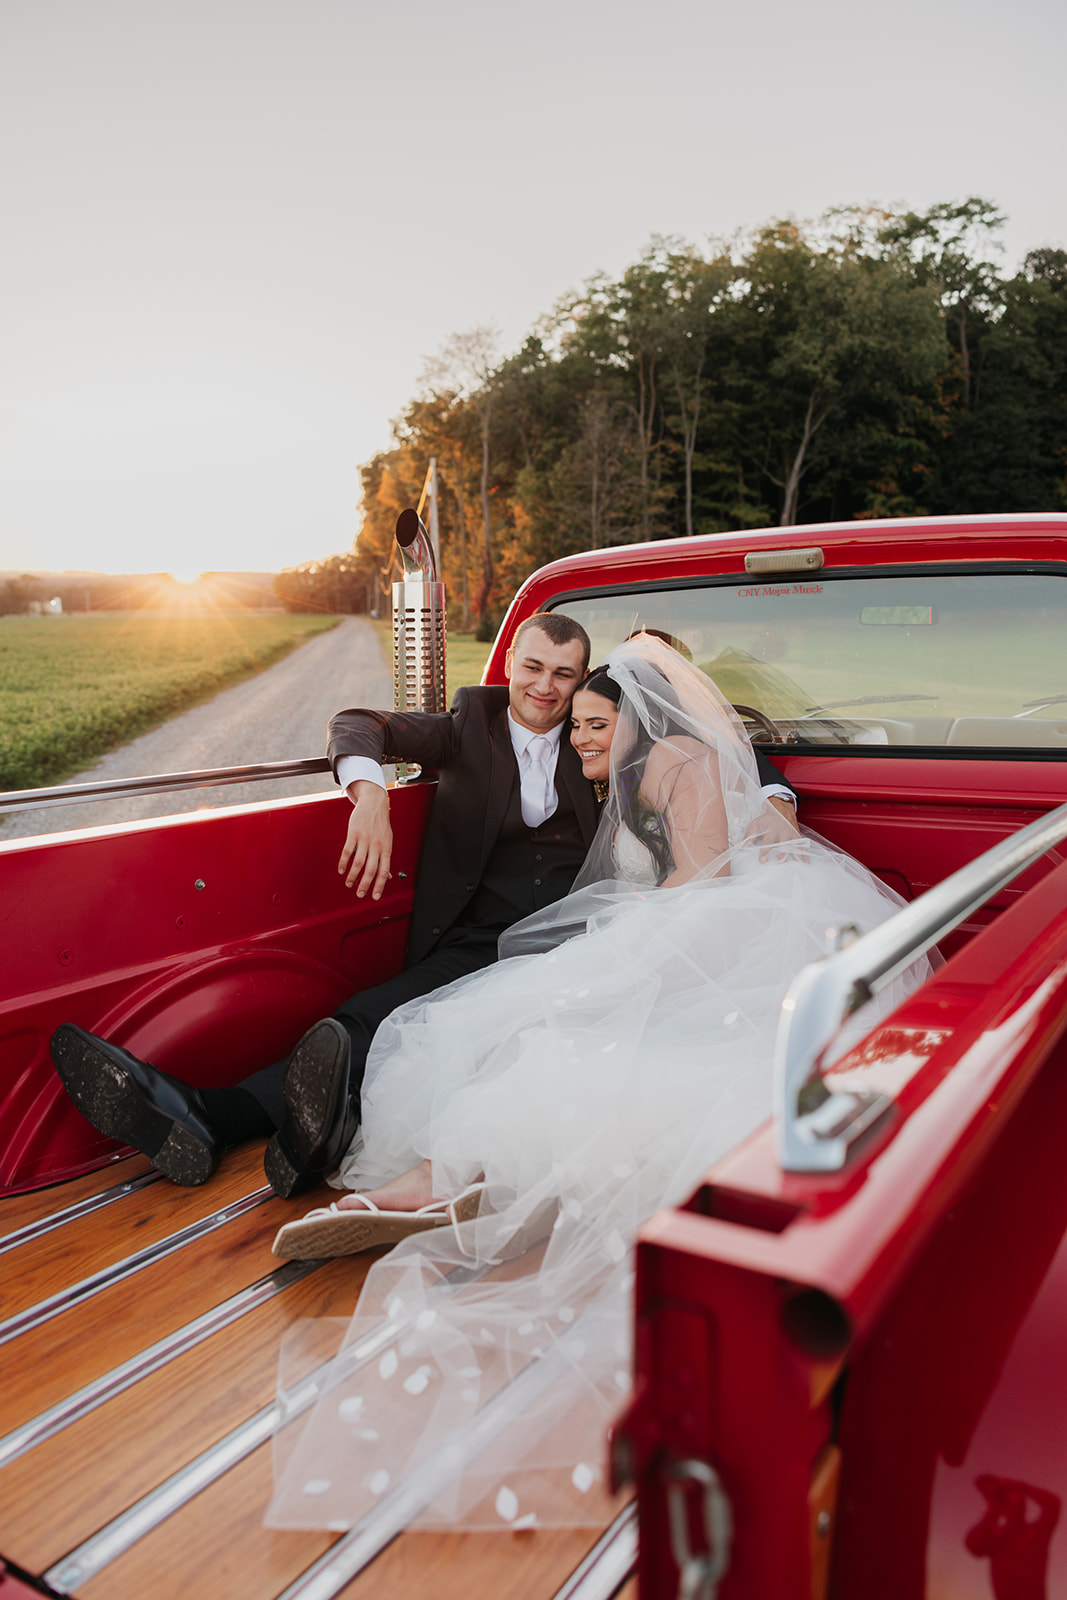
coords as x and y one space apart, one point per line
751 714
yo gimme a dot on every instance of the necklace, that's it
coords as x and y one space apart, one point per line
600 788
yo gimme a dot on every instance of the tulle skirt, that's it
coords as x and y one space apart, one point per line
588 1084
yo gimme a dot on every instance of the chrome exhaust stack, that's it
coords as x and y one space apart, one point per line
418 622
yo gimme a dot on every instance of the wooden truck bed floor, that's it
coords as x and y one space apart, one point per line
140 1326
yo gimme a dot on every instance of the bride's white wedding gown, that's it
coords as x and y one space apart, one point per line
590 1084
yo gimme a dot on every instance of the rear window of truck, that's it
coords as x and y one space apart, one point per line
958 660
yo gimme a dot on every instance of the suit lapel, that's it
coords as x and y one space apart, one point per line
503 775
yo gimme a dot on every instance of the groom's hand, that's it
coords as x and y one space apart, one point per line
368 847
786 810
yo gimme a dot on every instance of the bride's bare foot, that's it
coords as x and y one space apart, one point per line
406 1193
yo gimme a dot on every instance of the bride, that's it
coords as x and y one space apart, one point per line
622 1045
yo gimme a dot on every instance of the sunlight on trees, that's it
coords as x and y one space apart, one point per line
868 363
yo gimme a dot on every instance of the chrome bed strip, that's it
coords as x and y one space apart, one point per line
74 1213
326 1577
608 1564
77 1293
123 1377
356 1549
116 1537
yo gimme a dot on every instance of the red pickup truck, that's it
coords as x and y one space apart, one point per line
849 1379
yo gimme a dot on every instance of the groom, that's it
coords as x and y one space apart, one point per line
511 822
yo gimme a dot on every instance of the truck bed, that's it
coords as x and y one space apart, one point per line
121 1267
853 1352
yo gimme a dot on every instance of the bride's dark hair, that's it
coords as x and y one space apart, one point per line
649 825
599 681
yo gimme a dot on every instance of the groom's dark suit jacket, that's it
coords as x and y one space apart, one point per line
470 747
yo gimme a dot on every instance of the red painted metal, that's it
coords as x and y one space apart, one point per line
800 1341
1033 786
13 1588
910 819
107 928
910 542
907 1312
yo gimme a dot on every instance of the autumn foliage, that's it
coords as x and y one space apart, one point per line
870 364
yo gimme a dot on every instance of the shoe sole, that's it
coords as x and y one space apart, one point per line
108 1098
184 1159
284 1178
309 1102
347 1233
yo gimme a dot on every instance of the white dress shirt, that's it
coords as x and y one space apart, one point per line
539 797
354 769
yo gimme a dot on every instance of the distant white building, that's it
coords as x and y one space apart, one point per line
46 608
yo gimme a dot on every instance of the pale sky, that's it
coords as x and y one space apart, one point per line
234 229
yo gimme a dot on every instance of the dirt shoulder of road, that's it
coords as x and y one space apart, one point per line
72 688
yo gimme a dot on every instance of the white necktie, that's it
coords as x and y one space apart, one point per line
537 790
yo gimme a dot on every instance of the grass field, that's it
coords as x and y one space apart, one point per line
465 658
72 688
464 663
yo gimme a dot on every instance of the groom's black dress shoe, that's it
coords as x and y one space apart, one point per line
135 1102
320 1122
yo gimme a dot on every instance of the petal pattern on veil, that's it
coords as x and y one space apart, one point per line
621 1046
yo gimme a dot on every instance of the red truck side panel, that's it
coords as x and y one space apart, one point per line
842 1311
216 981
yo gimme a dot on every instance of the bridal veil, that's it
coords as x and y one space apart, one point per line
621 1046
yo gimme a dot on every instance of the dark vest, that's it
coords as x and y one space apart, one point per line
527 868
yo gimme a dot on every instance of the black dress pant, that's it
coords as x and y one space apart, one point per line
461 951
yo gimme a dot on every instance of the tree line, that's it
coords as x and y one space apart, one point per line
869 364
145 591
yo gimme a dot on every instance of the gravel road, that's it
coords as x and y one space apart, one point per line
279 715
